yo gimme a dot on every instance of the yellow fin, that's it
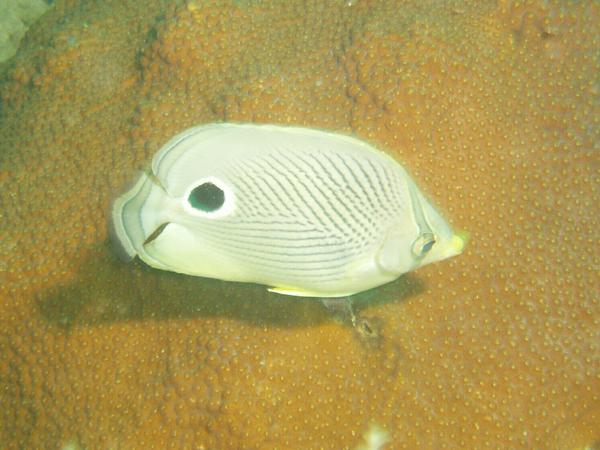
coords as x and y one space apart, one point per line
292 291
300 293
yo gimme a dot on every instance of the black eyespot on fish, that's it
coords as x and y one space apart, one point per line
207 197
423 244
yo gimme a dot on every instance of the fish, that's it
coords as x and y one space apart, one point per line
305 212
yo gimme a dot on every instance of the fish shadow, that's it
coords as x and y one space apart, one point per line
108 290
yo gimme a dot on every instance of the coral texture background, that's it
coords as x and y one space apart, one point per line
15 18
493 107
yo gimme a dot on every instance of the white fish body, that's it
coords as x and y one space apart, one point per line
306 212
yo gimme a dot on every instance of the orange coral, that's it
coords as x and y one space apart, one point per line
492 106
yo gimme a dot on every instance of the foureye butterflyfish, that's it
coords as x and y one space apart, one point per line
305 212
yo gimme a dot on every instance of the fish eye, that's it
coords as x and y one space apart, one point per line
423 245
206 197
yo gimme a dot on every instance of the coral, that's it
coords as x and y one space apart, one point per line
492 106
15 18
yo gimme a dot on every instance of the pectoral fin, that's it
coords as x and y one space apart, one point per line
393 255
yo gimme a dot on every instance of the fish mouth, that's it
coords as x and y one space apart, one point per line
452 246
457 243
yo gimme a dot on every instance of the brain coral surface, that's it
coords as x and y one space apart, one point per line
491 105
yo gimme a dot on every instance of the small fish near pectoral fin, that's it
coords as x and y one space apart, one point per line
341 307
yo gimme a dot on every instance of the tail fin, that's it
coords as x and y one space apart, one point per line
126 231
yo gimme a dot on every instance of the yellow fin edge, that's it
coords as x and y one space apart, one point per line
300 293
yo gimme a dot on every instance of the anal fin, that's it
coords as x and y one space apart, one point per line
297 292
